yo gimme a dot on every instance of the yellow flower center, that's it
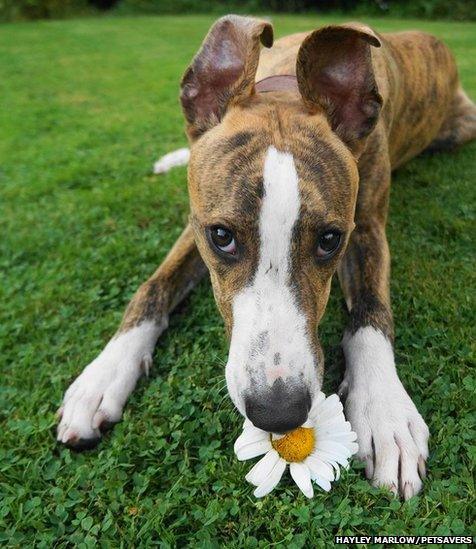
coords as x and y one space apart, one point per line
296 445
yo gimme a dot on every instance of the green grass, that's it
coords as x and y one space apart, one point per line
86 106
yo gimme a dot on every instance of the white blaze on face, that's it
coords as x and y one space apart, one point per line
269 339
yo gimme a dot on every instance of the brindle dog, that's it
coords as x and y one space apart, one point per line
291 156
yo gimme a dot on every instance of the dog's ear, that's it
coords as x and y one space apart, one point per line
335 73
223 70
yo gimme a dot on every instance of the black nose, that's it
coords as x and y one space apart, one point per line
278 409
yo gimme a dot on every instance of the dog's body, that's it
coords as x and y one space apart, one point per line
289 181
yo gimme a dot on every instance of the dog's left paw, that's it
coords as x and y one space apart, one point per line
392 435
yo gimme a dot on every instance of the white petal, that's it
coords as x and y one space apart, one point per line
339 436
318 399
346 440
271 480
334 448
335 423
333 401
330 457
330 414
330 411
353 447
322 482
337 470
302 477
249 436
263 468
319 467
254 449
337 467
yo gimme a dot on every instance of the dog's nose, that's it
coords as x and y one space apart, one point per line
278 409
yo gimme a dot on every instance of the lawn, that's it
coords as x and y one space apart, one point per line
86 107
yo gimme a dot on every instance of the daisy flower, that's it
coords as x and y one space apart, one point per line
315 451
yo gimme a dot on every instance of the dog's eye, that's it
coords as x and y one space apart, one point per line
223 239
328 244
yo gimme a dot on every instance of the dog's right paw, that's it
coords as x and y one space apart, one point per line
97 397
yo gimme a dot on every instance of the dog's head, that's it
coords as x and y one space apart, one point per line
273 184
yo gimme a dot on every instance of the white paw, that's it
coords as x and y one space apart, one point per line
179 157
392 435
97 397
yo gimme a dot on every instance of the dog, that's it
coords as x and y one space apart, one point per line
291 153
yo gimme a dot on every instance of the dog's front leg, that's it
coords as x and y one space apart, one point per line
98 395
392 435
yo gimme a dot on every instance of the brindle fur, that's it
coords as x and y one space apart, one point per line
157 297
405 98
423 107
